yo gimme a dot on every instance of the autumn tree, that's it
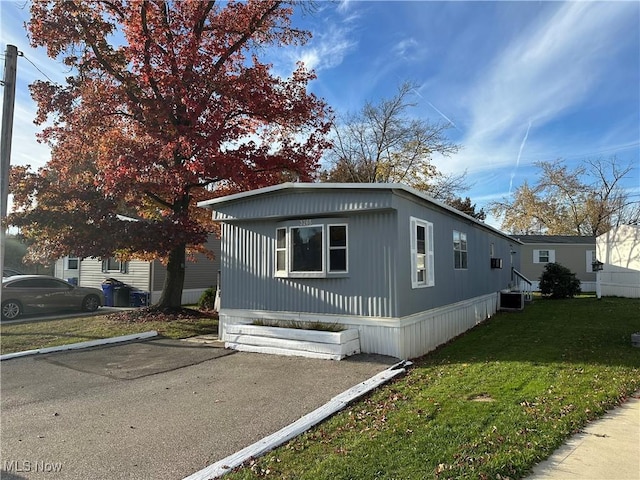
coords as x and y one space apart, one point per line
587 200
465 206
382 144
167 104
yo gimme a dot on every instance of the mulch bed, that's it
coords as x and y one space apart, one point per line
152 314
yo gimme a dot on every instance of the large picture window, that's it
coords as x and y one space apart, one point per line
422 261
459 250
314 250
306 245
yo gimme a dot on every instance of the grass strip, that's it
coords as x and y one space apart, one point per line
488 405
49 333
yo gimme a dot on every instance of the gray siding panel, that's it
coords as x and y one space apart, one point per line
451 285
248 268
304 203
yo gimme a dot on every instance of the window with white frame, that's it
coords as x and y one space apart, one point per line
337 248
544 256
459 250
422 260
111 264
591 257
72 263
311 250
281 250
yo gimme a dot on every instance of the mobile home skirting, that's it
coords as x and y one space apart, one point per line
404 338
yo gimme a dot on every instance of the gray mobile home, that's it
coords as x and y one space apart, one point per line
408 272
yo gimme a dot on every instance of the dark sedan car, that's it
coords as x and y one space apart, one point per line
22 294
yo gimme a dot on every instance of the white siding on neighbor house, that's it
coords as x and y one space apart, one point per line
137 276
619 251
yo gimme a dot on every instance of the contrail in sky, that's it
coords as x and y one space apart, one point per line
443 115
433 106
524 140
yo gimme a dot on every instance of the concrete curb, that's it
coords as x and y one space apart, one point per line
301 425
76 346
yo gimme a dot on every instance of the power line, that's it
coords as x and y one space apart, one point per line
21 54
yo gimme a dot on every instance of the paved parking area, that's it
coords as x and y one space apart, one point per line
160 409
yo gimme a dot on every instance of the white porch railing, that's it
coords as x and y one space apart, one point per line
524 285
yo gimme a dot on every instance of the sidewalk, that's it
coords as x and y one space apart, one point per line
608 448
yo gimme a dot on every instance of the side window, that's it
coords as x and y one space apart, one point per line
337 248
72 263
113 265
422 261
459 250
544 256
281 250
591 257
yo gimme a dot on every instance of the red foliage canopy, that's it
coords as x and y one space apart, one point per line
169 104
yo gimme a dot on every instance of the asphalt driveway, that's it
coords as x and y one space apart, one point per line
156 409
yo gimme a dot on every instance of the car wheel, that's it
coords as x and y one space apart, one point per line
90 303
11 310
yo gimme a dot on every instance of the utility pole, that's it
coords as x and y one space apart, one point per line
9 83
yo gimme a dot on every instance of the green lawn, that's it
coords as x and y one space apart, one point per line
489 405
49 333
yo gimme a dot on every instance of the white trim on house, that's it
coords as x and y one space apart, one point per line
422 262
406 337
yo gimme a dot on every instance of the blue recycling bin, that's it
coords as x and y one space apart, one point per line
107 289
139 299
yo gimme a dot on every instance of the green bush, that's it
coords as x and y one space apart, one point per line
557 281
207 299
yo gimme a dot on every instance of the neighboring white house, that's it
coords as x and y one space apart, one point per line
142 275
619 251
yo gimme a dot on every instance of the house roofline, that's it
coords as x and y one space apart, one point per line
394 187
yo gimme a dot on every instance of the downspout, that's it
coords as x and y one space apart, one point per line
152 272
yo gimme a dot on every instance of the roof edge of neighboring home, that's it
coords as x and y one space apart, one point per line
556 239
353 186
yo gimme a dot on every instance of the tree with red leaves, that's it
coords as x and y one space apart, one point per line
168 104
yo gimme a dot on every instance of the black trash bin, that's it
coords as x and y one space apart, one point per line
121 295
108 288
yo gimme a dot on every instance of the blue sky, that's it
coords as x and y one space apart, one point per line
519 82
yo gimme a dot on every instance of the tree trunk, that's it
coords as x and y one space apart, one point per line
171 297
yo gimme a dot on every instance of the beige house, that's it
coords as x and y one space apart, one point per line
577 253
619 251
142 275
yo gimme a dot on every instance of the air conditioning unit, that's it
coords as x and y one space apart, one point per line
496 263
511 301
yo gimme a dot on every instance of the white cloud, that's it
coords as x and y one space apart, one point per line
326 49
550 68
